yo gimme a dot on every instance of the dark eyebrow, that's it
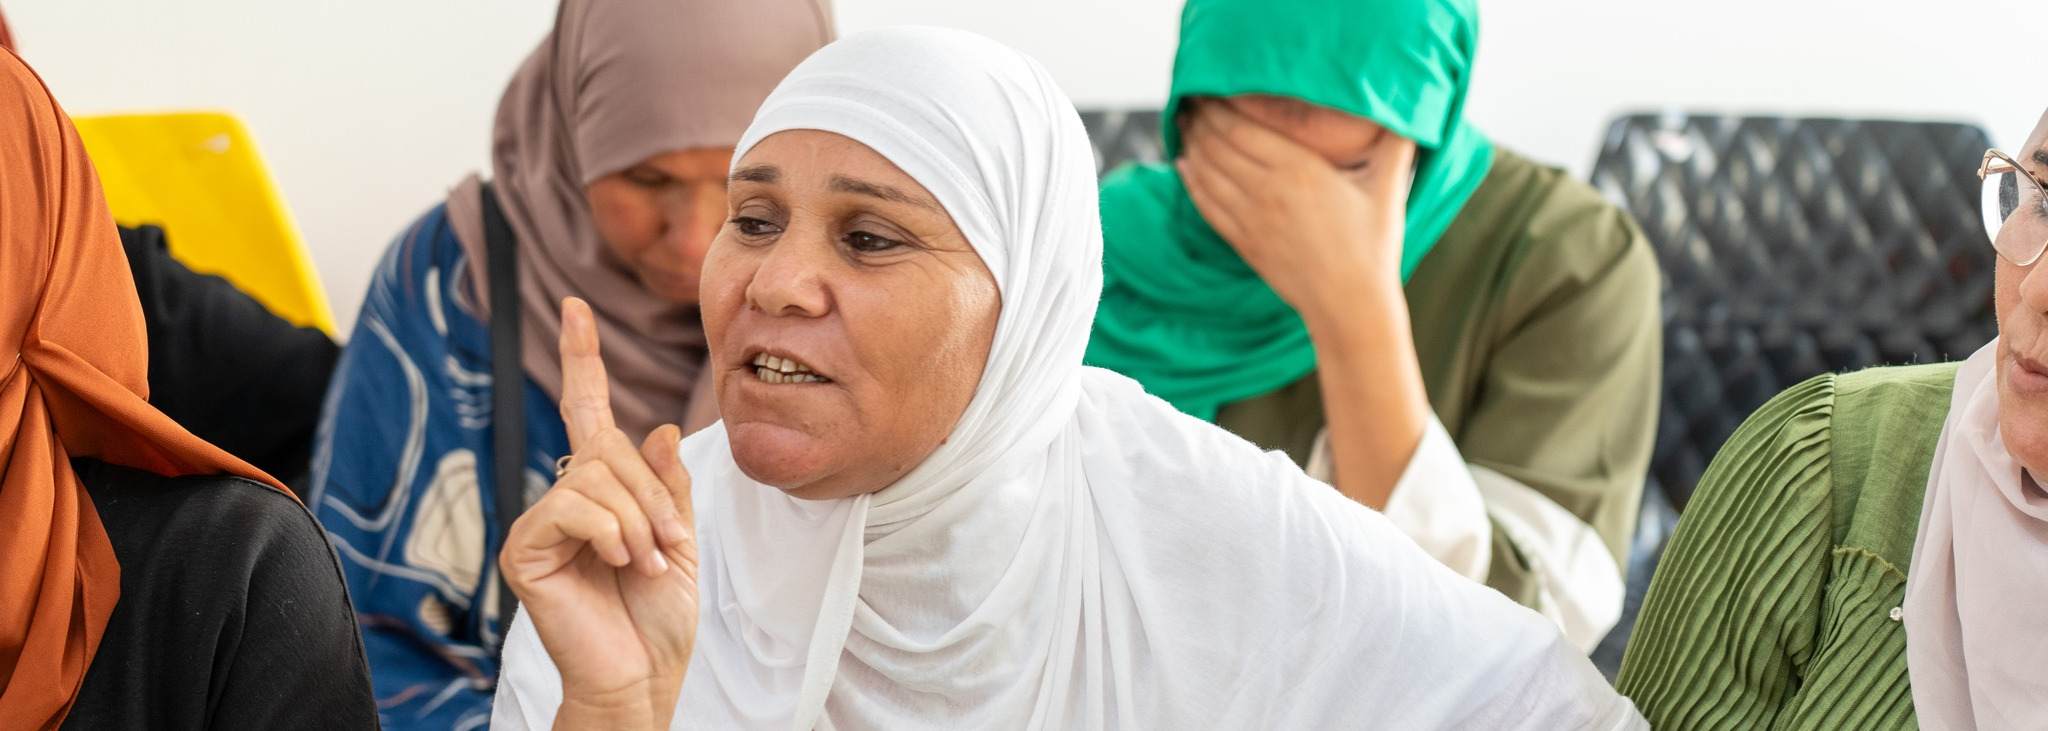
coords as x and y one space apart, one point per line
755 174
845 184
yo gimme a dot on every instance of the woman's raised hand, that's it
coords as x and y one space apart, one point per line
606 563
1318 235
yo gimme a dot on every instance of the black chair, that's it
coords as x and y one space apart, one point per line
1790 248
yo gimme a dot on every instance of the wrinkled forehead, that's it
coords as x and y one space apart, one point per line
951 110
840 164
987 133
923 158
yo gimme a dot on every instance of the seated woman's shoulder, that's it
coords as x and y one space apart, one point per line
1883 393
417 266
1839 431
197 513
1895 390
1149 436
1221 480
1886 424
1587 233
208 558
211 542
1836 402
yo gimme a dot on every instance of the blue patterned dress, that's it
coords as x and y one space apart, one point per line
402 475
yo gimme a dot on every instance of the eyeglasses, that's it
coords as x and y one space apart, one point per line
2015 209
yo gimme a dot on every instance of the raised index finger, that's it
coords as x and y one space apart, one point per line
586 395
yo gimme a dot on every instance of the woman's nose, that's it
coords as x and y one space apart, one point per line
791 278
2034 287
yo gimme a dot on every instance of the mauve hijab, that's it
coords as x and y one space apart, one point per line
616 82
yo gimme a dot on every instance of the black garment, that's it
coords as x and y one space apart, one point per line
224 367
232 612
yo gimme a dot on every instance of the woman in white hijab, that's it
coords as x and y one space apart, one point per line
922 511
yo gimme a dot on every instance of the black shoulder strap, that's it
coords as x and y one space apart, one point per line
508 385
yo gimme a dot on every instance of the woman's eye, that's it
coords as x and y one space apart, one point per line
868 243
646 178
2031 200
749 226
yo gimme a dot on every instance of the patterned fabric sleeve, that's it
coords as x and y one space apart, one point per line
401 480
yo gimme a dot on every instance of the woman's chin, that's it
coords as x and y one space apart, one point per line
2024 429
772 454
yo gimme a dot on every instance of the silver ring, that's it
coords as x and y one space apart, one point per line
562 465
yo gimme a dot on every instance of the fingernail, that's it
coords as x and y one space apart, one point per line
660 564
673 531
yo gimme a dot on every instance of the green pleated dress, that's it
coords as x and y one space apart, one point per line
1774 606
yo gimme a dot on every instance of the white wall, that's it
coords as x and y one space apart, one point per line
369 109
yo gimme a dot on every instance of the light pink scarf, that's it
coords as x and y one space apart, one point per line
1977 593
616 82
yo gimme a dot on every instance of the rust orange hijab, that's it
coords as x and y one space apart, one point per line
74 381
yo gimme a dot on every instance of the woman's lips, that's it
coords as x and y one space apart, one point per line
2027 375
778 369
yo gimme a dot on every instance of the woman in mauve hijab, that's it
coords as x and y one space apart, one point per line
607 183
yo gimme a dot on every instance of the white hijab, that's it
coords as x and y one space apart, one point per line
1977 587
1078 554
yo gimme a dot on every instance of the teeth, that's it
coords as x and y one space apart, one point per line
780 364
770 375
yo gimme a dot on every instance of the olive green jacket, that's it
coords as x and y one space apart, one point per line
1537 327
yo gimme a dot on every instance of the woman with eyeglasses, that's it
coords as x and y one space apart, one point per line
1870 550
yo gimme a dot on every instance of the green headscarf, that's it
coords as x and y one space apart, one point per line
1181 312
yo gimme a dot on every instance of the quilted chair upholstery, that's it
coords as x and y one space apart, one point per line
1121 136
1790 247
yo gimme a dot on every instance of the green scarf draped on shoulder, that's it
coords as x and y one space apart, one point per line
1181 312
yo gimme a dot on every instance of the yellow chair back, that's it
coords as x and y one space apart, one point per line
198 175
